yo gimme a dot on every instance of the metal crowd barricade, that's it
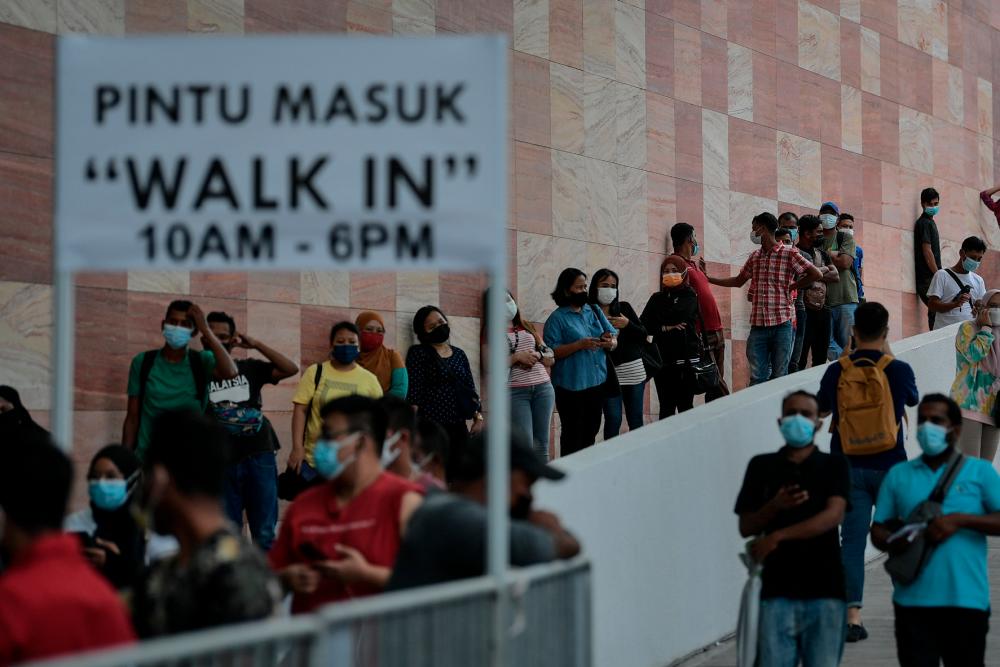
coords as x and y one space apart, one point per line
451 625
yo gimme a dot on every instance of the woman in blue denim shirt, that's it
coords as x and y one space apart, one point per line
580 336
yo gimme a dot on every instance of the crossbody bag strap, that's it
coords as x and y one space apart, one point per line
958 282
941 488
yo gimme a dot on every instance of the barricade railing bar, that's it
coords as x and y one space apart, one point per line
548 621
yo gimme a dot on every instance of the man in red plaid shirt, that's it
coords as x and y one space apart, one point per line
776 270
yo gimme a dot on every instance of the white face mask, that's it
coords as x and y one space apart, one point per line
755 238
995 317
829 220
605 295
389 452
848 231
511 308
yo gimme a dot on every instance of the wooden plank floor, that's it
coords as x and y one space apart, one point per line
879 650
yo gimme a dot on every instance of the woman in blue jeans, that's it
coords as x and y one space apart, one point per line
627 357
532 397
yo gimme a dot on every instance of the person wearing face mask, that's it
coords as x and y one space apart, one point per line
978 352
954 290
626 358
815 324
672 317
402 453
841 296
216 578
174 377
532 397
251 479
445 540
845 225
384 362
793 501
339 539
442 386
15 420
580 336
113 542
338 376
927 246
776 270
944 613
867 393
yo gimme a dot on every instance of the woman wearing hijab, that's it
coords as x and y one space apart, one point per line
384 362
441 383
15 421
978 359
111 539
671 317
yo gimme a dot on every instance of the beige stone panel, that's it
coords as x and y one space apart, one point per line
531 27
985 106
630 45
423 11
403 25
162 282
740 82
99 17
742 209
740 307
799 173
923 24
540 259
32 14
225 16
419 289
325 288
278 325
566 108
819 40
851 10
599 107
599 46
630 123
850 118
916 140
715 235
660 134
26 331
715 17
632 208
871 62
715 149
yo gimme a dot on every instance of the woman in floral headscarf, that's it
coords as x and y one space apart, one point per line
975 387
376 358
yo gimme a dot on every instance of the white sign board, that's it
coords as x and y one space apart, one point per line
280 153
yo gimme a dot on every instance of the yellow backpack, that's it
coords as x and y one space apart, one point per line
866 415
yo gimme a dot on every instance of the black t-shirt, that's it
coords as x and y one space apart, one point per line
799 569
925 231
446 540
236 405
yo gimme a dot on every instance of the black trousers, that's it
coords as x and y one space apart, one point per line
673 389
927 635
580 415
817 338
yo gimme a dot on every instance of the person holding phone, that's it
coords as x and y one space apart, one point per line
954 290
580 335
978 351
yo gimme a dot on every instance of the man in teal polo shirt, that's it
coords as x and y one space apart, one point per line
944 613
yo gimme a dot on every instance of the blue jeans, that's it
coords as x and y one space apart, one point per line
631 398
841 320
252 485
531 413
800 335
865 485
768 350
812 631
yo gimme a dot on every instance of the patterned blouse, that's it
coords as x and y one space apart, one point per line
973 388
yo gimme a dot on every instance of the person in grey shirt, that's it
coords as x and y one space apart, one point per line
446 536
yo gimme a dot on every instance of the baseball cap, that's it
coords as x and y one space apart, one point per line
830 204
470 462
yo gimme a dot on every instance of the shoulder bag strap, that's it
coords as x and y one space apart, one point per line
198 371
941 488
958 282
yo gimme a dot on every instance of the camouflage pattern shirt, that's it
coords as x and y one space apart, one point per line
226 580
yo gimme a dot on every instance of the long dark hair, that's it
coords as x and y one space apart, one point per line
484 321
600 275
565 281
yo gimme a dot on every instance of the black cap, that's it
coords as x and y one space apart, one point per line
470 463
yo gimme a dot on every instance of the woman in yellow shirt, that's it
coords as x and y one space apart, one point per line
338 376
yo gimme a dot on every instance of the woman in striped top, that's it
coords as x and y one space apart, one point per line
532 397
627 357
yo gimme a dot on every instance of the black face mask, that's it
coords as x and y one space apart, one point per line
578 299
438 336
819 243
521 509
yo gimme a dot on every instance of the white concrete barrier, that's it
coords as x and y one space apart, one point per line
654 510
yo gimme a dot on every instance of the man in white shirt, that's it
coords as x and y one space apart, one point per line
954 290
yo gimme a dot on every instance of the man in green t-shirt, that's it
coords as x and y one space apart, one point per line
173 377
841 296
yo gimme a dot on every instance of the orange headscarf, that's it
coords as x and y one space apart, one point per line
382 360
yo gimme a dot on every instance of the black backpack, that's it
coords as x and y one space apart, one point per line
197 370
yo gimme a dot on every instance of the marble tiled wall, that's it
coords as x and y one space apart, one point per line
626 117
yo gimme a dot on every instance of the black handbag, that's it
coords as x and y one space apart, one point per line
652 360
704 372
611 386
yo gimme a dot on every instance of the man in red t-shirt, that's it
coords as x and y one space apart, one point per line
52 600
339 540
686 246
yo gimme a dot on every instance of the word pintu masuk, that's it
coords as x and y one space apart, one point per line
194 103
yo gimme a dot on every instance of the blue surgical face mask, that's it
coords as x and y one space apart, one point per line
389 450
346 354
109 494
932 210
829 220
327 459
696 249
794 233
970 264
177 337
798 431
933 438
